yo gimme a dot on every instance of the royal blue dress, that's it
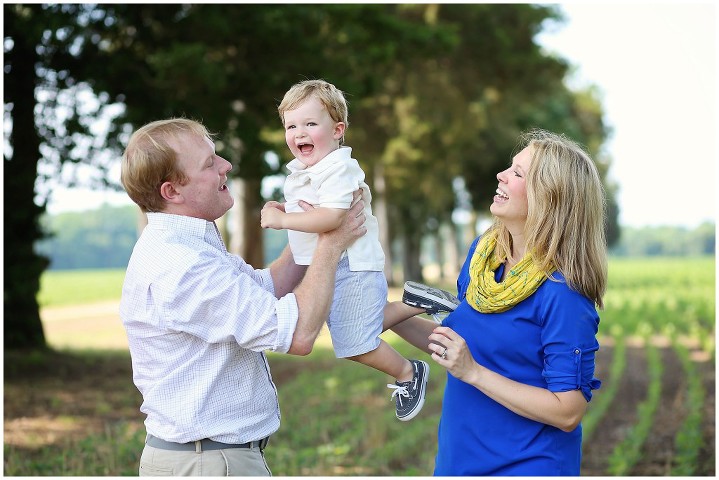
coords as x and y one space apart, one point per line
548 340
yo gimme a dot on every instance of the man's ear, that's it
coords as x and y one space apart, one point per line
169 193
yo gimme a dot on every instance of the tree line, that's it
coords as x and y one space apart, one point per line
104 238
438 95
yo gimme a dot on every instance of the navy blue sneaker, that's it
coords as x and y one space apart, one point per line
435 302
410 395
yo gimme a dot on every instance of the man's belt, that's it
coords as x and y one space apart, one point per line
202 445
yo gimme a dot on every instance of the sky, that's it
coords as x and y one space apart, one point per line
655 68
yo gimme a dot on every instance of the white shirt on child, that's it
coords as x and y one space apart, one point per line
330 183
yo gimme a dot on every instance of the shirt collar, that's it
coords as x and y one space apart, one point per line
190 226
339 155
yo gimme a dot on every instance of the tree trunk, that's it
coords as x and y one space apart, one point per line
253 251
379 209
411 265
236 218
454 253
23 267
439 245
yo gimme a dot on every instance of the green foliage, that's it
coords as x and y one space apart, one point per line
628 452
352 429
603 398
104 237
673 297
688 440
113 452
437 89
75 287
667 241
98 238
668 295
358 433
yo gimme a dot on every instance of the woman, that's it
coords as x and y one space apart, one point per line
520 347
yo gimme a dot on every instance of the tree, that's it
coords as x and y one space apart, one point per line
224 65
22 266
441 90
99 238
458 115
47 51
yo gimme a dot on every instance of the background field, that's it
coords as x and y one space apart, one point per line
75 411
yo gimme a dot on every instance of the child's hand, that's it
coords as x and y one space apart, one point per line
274 204
271 215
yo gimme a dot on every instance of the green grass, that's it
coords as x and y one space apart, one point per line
113 452
337 419
346 409
74 287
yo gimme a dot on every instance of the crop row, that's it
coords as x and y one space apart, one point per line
673 300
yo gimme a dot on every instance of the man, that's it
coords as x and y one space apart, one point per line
198 319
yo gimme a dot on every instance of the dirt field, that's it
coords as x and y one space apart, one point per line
36 401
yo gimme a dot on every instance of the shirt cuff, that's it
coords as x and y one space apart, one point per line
287 315
266 280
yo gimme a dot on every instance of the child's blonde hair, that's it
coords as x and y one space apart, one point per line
329 96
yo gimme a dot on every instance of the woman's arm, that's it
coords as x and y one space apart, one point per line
563 410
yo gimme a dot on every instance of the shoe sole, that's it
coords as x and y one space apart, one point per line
423 392
416 295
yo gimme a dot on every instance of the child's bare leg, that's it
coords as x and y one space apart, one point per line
386 359
397 312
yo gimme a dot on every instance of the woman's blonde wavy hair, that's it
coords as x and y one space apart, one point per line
566 214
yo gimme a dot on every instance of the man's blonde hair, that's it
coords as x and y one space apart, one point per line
329 96
149 160
566 213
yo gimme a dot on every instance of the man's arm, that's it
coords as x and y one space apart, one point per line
314 294
286 274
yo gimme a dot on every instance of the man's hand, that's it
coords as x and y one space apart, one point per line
351 228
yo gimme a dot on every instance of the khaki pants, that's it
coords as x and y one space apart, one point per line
231 462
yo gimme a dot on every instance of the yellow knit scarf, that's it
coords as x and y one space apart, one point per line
484 294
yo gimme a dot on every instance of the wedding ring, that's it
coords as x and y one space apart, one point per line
444 354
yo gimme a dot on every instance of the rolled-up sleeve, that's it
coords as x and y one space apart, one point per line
569 342
287 315
571 370
217 303
286 310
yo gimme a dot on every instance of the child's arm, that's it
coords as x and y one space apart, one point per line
318 220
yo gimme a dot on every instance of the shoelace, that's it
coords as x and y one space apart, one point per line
399 391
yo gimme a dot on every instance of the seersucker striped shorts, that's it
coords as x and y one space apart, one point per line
357 313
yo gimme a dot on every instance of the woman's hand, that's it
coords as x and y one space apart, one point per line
563 410
451 351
